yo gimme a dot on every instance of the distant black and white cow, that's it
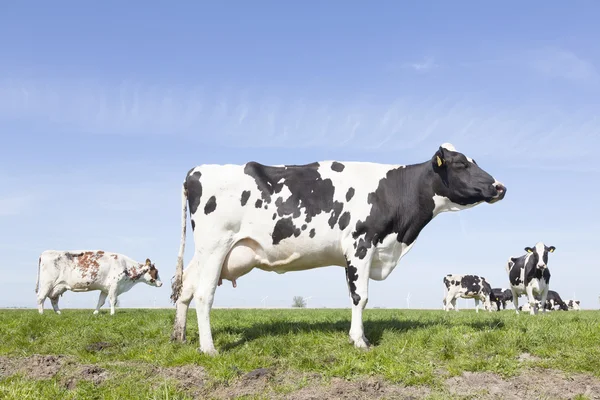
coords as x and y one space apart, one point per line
553 300
574 305
501 296
359 215
467 287
82 271
529 275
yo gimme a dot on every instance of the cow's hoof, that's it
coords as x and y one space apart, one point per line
360 343
96 312
212 352
58 312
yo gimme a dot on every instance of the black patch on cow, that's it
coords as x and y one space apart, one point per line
474 284
194 190
71 256
312 233
284 228
352 277
337 167
309 192
303 227
245 197
193 225
350 194
266 207
258 203
402 205
335 214
211 205
344 220
274 216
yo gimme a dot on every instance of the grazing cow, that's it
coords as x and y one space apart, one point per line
467 287
574 305
358 215
501 296
529 274
82 271
553 300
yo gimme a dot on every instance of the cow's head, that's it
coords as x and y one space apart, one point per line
462 181
151 274
540 254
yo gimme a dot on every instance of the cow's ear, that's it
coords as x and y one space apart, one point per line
551 249
529 249
148 262
439 159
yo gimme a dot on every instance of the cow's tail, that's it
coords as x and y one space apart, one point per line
37 281
178 282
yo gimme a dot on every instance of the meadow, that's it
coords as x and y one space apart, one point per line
300 354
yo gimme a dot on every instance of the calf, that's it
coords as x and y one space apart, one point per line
501 296
81 271
467 287
361 216
574 305
529 274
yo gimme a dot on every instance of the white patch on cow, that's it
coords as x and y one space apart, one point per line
448 146
539 249
444 204
387 256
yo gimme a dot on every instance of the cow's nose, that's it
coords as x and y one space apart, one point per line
500 188
158 284
541 266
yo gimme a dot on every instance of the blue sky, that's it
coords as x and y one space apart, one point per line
105 107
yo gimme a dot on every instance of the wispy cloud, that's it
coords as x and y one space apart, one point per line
554 62
421 66
252 119
15 205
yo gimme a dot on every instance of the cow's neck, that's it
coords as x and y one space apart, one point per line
416 206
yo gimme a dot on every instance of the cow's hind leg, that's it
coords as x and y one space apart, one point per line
101 301
209 271
54 302
183 301
515 301
357 277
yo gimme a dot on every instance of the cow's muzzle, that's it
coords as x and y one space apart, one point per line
500 192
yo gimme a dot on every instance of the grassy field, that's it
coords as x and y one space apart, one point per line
295 354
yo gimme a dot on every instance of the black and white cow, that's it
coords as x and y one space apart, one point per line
554 300
501 296
359 215
574 305
467 287
529 275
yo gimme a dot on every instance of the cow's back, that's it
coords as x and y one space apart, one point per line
80 269
304 210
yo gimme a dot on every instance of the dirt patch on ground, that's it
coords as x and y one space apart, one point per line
98 346
50 366
531 383
535 383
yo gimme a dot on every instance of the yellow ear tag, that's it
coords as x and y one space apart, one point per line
439 161
551 250
529 251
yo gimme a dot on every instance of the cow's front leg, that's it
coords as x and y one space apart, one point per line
476 305
357 277
101 301
544 296
532 304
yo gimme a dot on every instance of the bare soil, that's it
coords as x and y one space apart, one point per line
532 383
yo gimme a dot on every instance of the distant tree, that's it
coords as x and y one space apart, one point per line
299 302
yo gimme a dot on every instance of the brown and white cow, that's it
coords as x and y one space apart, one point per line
82 271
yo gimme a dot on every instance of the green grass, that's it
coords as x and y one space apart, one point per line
410 346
